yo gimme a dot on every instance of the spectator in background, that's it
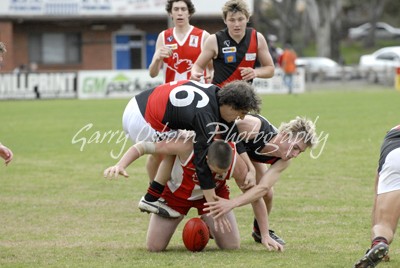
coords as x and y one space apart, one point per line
6 154
273 49
2 51
287 61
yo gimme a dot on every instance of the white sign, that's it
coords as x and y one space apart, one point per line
37 85
113 84
276 85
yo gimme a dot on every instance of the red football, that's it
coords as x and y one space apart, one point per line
195 234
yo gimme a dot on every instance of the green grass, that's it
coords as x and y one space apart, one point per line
57 210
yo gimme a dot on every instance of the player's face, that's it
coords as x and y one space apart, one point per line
180 13
290 147
217 170
236 23
230 115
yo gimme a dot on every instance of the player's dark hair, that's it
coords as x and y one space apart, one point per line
240 95
220 154
191 9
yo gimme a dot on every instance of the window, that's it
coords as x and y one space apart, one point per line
55 48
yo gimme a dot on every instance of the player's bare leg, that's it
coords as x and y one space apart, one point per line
226 240
385 217
160 232
152 164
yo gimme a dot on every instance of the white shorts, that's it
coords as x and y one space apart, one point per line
389 177
137 128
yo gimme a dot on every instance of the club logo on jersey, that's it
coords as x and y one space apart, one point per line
229 54
170 38
250 56
194 41
227 43
172 46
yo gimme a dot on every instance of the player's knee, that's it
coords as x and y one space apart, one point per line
151 247
233 245
155 247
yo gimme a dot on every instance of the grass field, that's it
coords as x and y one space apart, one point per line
56 210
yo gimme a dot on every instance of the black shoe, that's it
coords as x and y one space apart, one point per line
373 256
257 237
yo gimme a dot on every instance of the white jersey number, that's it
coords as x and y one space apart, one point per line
190 90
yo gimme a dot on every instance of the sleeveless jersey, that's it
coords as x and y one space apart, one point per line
185 105
184 182
254 146
232 55
391 142
184 53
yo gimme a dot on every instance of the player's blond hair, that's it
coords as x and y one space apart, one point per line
303 127
235 6
2 48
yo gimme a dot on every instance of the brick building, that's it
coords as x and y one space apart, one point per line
65 35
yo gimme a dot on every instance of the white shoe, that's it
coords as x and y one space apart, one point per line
157 207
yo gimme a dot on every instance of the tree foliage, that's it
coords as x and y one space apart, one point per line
324 22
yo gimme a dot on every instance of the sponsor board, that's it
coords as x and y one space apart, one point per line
115 84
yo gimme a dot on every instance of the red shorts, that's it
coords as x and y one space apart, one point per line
183 205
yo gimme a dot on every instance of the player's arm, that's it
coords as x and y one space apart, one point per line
172 147
210 67
259 208
161 52
208 52
267 68
269 178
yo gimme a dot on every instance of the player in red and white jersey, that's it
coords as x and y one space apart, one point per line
183 191
177 48
202 108
235 50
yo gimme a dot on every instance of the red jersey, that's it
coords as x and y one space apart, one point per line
232 55
184 53
184 183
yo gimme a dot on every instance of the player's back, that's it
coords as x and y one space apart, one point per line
176 105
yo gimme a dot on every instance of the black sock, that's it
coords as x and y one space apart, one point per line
377 240
154 191
255 226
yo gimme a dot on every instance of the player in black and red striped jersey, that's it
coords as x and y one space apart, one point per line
267 145
386 210
235 50
159 113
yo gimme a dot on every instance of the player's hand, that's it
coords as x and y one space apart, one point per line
197 76
114 171
6 154
221 224
270 243
247 73
218 208
164 52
